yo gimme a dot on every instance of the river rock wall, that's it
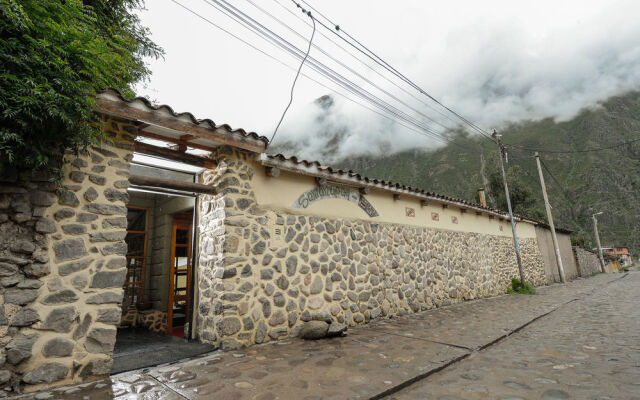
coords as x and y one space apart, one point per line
62 266
265 272
587 261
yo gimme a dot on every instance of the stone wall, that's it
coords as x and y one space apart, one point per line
62 267
587 261
264 272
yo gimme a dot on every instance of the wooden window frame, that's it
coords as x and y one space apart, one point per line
180 222
141 283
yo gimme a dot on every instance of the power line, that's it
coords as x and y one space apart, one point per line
369 53
366 65
342 64
400 122
295 79
275 39
519 147
278 40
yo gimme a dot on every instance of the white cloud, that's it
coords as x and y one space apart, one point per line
494 62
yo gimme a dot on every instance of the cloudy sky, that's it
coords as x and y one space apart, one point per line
492 61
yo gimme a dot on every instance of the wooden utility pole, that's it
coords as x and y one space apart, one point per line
496 137
595 228
550 219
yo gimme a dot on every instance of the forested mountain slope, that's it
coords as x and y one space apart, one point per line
580 182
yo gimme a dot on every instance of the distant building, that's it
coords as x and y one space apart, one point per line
617 256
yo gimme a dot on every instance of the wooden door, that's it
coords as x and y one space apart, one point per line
180 276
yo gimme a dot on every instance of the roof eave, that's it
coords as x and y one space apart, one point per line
111 102
314 171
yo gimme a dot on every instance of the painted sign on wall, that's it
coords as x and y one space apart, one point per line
435 216
411 212
332 192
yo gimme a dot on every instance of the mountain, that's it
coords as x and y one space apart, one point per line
580 182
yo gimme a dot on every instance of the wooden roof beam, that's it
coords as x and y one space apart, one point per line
173 155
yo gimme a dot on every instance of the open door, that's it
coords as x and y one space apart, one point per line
180 274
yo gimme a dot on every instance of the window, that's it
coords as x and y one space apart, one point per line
137 229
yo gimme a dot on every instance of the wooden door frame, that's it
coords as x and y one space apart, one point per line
182 223
143 276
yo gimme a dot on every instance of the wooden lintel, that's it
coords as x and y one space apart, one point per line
365 190
176 141
163 152
186 138
445 206
273 172
145 181
463 210
424 203
321 181
203 131
491 216
396 196
478 212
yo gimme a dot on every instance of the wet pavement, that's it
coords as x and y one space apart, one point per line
587 349
580 340
140 348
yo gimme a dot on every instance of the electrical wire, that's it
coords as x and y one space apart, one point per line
295 79
372 55
374 70
519 147
265 33
342 64
276 39
333 90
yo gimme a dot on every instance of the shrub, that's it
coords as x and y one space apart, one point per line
518 287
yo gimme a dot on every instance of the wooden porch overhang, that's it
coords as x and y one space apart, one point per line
183 129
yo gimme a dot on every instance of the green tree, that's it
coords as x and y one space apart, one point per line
523 201
54 56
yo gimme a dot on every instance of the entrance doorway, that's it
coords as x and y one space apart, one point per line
180 274
157 302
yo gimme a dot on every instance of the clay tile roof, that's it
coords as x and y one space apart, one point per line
395 187
182 115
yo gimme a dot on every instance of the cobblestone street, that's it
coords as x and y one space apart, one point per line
580 340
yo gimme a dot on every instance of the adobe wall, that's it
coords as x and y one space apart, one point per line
545 244
587 261
265 270
62 267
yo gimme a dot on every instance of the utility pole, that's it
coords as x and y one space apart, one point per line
550 218
595 228
496 137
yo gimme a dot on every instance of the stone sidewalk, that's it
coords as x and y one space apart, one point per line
379 360
588 349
